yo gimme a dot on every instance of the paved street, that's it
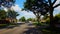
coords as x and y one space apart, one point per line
16 30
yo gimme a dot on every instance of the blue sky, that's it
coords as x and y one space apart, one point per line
20 4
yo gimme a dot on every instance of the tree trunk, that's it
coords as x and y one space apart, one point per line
16 20
51 18
38 18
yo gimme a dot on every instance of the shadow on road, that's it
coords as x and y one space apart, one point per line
32 31
39 30
11 26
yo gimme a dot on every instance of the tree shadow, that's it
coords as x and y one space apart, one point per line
7 27
41 30
11 26
32 30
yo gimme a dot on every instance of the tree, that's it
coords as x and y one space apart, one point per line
48 5
38 7
57 15
22 19
57 19
12 14
2 14
29 19
7 3
34 20
51 9
46 16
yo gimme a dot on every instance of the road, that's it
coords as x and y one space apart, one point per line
16 30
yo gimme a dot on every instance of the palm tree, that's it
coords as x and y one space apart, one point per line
2 14
12 15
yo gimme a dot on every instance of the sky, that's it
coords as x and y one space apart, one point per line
19 4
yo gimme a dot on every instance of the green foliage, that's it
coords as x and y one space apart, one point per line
3 25
37 24
7 3
38 7
34 20
41 7
29 19
58 15
22 19
12 14
57 18
46 16
2 14
47 21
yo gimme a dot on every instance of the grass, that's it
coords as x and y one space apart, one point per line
40 24
47 30
3 25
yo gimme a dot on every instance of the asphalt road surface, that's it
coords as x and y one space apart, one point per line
17 30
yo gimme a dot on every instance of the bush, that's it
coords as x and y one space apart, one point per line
4 22
57 19
3 25
47 21
38 24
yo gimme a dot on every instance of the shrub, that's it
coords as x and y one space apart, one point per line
4 22
38 24
56 19
47 21
1 25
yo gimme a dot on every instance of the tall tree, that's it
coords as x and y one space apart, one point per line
23 19
38 7
29 19
7 3
12 14
48 5
2 14
51 9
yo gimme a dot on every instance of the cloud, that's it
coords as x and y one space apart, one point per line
57 2
58 8
22 13
6 9
56 11
16 8
29 14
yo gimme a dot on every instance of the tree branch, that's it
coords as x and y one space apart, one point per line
49 2
54 2
56 5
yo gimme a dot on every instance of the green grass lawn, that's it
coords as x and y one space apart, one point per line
47 30
40 24
3 25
